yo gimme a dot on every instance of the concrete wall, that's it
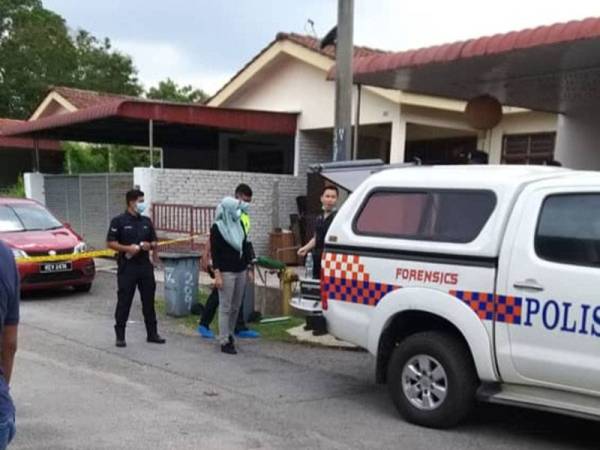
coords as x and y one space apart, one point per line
273 201
578 140
35 186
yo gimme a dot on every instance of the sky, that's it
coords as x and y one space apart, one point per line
205 42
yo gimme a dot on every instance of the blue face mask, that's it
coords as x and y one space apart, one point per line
140 207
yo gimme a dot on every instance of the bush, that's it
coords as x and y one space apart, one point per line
16 190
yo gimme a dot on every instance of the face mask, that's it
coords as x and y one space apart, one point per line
244 207
140 207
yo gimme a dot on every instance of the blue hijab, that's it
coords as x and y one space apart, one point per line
228 221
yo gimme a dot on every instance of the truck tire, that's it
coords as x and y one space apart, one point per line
432 379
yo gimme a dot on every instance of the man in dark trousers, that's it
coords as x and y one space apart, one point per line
132 235
9 321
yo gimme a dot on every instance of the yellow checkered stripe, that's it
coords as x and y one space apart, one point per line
91 254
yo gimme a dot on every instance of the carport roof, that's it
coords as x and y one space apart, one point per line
553 68
23 143
125 121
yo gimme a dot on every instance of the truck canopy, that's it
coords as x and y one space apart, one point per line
348 175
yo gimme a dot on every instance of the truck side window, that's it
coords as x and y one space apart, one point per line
568 229
433 215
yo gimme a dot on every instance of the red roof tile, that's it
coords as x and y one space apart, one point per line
23 143
5 122
313 43
483 46
84 99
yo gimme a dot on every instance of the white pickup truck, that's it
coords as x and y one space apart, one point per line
471 282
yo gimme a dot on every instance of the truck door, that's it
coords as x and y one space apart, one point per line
551 273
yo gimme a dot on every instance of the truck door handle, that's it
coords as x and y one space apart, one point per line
529 284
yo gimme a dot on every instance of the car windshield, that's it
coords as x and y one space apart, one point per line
26 217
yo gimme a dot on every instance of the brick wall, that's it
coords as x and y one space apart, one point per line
313 147
273 201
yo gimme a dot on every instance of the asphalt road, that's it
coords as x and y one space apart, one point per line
75 390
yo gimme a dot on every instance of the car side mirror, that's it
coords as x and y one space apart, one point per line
67 225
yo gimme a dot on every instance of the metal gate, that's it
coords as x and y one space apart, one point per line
87 201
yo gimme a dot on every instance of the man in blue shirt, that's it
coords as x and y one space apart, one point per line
9 320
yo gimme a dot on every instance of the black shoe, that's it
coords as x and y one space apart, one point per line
156 339
231 339
229 348
120 336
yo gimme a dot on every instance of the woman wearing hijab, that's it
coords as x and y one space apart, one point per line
231 260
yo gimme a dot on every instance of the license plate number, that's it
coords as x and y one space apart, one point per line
56 267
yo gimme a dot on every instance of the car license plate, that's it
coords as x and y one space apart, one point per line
56 267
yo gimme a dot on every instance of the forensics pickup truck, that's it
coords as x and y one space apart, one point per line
471 282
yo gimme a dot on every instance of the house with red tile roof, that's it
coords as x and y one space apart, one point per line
291 74
61 99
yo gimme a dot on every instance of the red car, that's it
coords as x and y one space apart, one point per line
31 230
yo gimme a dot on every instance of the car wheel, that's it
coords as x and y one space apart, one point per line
83 287
432 379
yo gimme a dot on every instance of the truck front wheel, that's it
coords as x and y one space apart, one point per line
432 379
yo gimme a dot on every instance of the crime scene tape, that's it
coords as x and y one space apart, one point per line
91 254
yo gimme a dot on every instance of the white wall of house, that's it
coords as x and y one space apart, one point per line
578 139
290 84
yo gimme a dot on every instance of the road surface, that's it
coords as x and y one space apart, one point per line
75 390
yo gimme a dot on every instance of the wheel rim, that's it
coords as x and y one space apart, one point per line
424 382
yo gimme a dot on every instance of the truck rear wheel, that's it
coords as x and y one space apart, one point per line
432 379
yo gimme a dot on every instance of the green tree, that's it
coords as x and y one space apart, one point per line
169 90
35 52
101 68
38 51
91 158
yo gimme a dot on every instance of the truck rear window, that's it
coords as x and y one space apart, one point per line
428 215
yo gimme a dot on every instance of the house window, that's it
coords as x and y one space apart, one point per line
528 148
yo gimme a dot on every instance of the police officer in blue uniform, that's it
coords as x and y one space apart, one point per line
133 236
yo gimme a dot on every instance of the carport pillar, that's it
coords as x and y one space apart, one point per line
151 141
398 140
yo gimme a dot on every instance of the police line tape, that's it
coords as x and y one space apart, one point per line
91 254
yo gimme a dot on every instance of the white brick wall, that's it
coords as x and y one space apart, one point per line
273 201
313 147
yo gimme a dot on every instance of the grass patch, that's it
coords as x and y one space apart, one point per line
276 331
